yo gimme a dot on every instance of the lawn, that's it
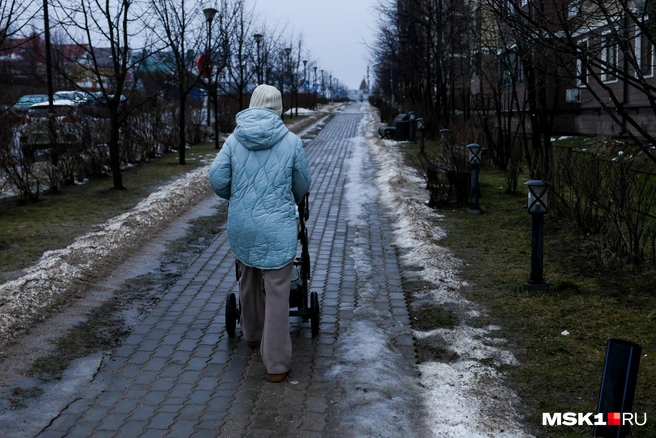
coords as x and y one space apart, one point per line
587 300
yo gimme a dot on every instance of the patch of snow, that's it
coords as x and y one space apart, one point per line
64 271
382 399
301 111
466 397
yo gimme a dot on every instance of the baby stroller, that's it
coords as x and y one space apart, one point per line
298 295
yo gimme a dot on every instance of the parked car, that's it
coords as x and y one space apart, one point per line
76 96
35 131
25 102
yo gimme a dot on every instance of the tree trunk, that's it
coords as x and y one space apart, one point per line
182 143
114 148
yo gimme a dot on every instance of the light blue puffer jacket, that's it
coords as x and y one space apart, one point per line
263 172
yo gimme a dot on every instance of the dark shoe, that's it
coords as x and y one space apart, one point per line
277 378
253 344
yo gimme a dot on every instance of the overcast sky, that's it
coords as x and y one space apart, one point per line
335 32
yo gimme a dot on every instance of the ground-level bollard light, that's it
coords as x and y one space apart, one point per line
538 207
475 162
413 119
420 128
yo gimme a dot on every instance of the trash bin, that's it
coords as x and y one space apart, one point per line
402 125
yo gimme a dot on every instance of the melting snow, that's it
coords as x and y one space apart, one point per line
466 397
62 272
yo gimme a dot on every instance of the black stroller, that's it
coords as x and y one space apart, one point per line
298 295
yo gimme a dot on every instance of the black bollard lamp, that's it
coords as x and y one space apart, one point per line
538 207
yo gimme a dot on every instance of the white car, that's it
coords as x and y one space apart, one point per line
35 131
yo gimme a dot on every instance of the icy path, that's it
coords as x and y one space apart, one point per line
463 398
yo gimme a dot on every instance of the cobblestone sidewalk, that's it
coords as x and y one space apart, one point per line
179 374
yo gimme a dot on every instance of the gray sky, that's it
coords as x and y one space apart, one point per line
335 32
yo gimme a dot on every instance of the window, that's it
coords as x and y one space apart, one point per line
608 58
644 50
582 72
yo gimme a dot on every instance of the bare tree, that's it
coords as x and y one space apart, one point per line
603 47
105 30
421 55
181 36
241 52
16 19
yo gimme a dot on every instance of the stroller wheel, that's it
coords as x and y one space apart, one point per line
314 313
231 314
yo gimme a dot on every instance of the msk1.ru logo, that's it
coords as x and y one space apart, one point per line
590 419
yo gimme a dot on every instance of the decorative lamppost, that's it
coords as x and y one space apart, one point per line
330 86
258 40
207 72
420 128
323 90
538 207
288 68
287 50
305 75
314 88
475 162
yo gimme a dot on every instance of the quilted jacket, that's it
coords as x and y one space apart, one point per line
263 172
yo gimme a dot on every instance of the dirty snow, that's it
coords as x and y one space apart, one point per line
381 398
301 111
61 273
64 273
463 398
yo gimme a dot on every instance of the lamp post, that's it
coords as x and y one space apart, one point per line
330 86
323 91
288 51
314 88
305 75
258 40
209 17
475 162
420 128
538 207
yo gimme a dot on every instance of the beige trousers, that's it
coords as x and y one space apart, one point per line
265 317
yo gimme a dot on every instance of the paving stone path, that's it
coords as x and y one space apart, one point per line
180 375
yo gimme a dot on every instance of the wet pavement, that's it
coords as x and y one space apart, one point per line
179 374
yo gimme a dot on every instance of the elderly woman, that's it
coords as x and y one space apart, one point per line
262 170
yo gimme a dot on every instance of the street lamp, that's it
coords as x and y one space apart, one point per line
207 72
288 51
330 86
314 88
323 90
538 207
305 75
475 162
258 40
